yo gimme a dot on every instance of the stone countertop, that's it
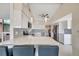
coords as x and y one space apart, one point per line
31 40
35 40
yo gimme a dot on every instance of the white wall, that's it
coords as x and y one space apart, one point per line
75 33
4 10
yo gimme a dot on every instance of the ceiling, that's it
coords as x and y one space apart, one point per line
4 10
38 9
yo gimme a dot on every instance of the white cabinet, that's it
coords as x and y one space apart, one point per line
17 15
67 38
24 21
20 17
17 18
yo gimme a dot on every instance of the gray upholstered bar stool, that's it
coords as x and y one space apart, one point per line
23 50
3 51
46 50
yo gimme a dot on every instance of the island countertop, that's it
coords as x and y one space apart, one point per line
34 40
31 40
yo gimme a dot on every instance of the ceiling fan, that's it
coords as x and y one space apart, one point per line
44 15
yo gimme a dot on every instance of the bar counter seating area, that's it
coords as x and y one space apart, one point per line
30 46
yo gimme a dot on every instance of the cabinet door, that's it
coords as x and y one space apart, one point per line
1 27
17 18
67 38
0 37
24 23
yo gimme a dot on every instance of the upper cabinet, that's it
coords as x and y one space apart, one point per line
17 15
21 15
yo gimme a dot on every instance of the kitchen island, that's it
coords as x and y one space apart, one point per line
35 40
31 40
